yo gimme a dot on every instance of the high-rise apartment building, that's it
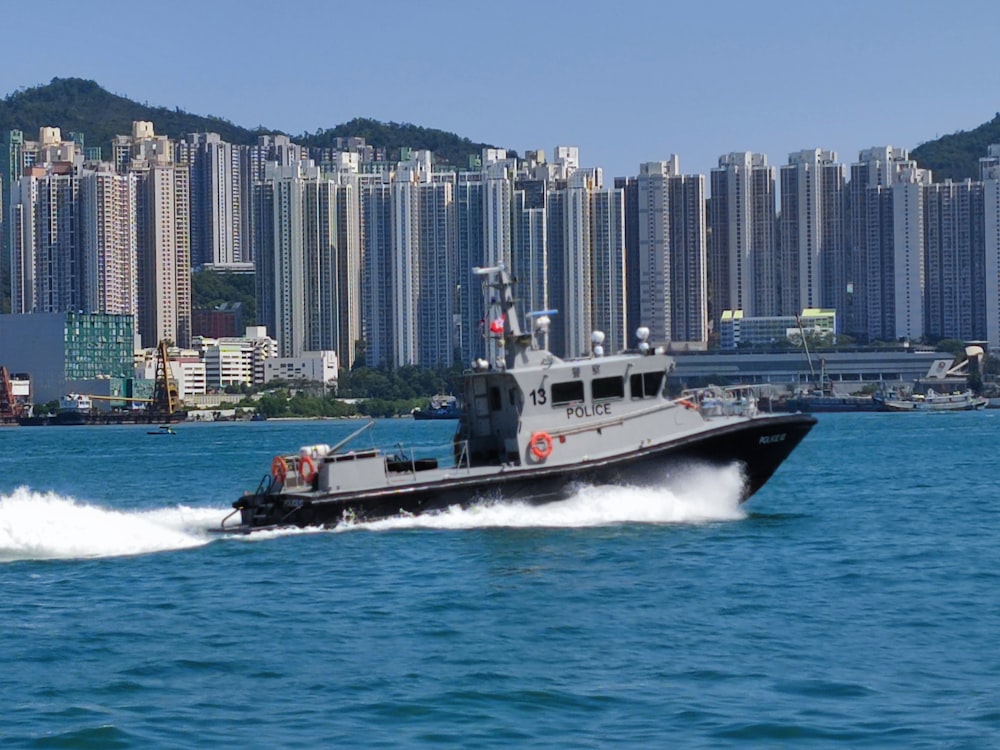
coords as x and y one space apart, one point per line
108 230
608 289
813 270
298 258
956 284
671 274
470 253
991 242
377 279
743 264
530 254
870 248
216 201
424 264
163 233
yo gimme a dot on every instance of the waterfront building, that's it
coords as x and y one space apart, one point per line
313 367
234 360
785 372
69 351
737 329
187 370
743 264
813 268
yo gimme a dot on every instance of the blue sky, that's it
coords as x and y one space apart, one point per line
625 81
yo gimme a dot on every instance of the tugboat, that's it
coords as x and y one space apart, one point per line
533 427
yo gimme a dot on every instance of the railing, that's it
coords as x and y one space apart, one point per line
718 401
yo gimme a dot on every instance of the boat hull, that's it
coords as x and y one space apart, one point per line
834 404
758 445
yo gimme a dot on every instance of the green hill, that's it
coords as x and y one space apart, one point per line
956 156
80 106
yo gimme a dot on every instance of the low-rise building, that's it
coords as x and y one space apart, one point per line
317 367
737 329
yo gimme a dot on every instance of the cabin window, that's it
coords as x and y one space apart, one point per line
605 388
646 384
495 404
567 393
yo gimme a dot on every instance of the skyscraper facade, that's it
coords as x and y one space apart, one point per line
813 268
743 259
216 200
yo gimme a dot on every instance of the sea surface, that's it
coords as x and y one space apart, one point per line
853 602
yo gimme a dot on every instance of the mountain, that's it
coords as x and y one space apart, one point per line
82 106
956 156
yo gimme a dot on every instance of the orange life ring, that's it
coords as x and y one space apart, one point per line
307 469
279 468
686 404
541 445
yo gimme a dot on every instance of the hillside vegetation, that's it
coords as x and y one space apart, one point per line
82 106
211 288
956 156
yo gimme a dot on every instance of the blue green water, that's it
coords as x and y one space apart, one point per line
853 602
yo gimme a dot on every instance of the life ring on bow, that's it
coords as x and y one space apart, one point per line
307 470
541 445
279 468
686 404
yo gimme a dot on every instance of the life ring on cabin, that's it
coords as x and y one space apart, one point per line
686 404
307 469
279 468
541 445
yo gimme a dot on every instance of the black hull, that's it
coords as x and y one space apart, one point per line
759 446
103 418
833 404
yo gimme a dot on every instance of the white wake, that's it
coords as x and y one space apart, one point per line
48 526
699 495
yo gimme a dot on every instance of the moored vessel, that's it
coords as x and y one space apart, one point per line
442 406
532 427
934 401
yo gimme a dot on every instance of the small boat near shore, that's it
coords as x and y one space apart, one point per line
442 406
934 401
533 428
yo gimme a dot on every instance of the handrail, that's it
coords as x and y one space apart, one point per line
351 437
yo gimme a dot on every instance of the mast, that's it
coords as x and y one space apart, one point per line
164 397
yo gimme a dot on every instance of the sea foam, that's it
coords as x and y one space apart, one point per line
49 526
699 494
